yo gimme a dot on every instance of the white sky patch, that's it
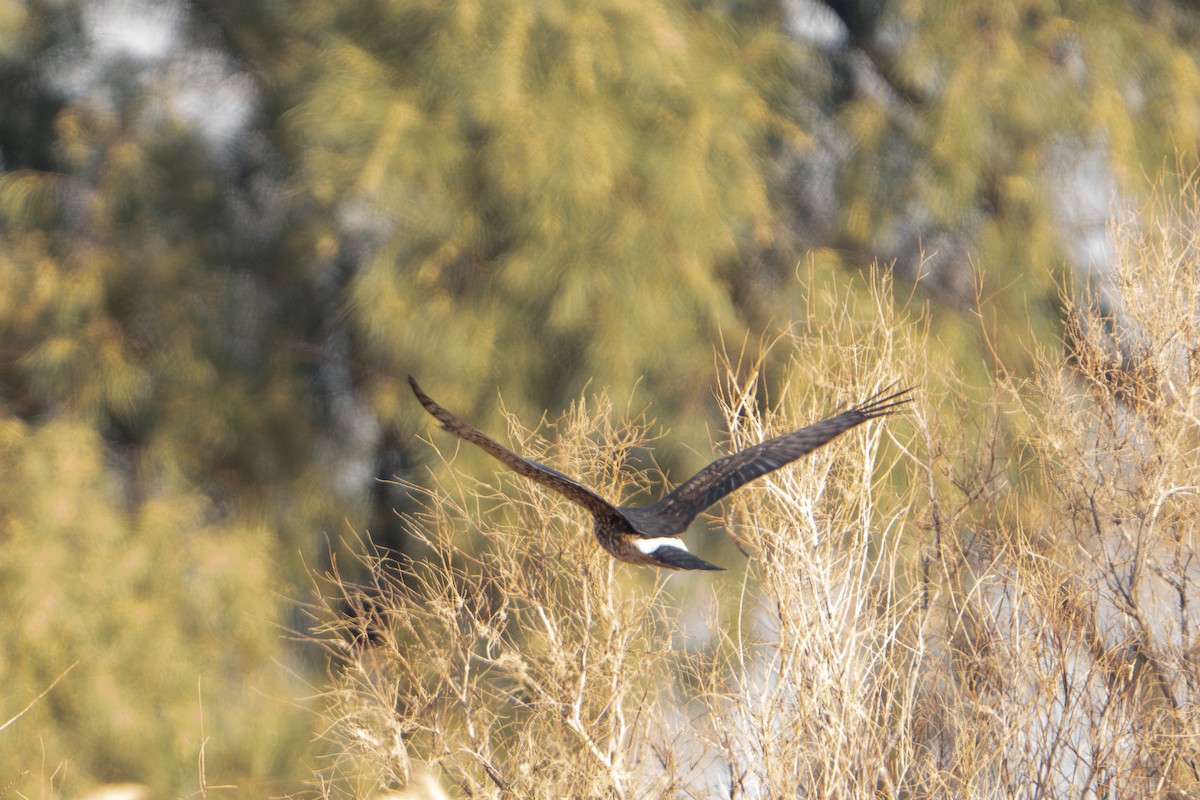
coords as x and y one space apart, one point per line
1085 198
146 31
214 99
183 81
813 22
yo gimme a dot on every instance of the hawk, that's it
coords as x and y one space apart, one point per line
650 535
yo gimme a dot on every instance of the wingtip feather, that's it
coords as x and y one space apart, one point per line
425 399
881 404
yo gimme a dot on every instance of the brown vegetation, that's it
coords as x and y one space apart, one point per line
991 595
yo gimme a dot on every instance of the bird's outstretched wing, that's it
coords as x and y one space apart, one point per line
676 511
544 475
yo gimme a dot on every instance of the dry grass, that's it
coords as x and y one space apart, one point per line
989 595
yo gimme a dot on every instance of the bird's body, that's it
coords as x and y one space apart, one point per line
650 534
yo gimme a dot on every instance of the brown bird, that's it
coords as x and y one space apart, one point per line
650 535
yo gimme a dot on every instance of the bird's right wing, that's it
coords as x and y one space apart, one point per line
544 475
677 510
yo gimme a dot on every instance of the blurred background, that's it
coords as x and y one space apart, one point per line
229 229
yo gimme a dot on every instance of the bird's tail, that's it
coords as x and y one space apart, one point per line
678 558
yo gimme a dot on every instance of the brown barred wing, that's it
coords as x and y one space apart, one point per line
675 512
544 475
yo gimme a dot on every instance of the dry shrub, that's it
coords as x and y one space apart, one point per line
525 666
986 595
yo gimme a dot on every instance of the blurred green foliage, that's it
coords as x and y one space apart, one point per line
561 189
219 258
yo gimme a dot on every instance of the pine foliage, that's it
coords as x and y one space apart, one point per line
223 245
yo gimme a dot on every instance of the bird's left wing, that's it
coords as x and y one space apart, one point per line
544 475
677 510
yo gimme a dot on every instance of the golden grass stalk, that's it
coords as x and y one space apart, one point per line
989 595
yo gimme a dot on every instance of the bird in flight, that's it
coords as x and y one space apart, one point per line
650 535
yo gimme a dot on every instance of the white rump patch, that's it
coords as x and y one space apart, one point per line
648 546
